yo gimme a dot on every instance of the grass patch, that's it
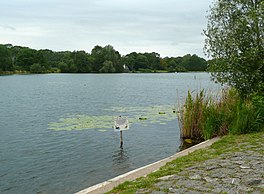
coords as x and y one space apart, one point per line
229 143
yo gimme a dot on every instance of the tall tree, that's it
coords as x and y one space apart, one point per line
98 58
235 42
103 54
141 62
5 59
27 57
130 60
107 67
153 61
81 61
110 54
193 63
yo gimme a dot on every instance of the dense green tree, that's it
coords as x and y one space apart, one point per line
72 68
47 58
14 51
193 63
25 58
36 68
5 59
176 64
63 67
66 62
108 67
172 65
130 60
98 58
81 61
235 40
161 65
153 61
110 54
107 53
141 62
66 57
115 57
102 59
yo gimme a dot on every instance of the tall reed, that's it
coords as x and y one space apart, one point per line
191 114
205 116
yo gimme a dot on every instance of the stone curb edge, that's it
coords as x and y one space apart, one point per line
143 171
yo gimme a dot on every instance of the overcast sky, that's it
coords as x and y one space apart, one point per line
168 27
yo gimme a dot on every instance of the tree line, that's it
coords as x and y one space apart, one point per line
100 60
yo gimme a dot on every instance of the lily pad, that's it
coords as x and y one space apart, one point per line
134 114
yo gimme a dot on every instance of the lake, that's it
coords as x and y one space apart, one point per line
57 131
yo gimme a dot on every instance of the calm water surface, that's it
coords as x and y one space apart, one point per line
37 159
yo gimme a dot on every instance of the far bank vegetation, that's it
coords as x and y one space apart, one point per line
16 59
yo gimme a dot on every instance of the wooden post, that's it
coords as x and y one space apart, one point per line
121 139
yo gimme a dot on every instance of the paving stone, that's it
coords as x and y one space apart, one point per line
243 188
254 182
158 192
164 184
212 167
166 177
231 181
210 180
177 190
218 175
195 177
240 162
224 189
193 192
203 189
244 167
142 191
193 184
235 172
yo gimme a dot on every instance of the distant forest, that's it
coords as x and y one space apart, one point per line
101 60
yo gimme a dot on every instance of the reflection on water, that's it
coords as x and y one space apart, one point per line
121 162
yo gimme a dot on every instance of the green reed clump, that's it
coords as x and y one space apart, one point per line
191 114
205 116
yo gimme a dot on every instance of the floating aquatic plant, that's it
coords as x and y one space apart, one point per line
141 115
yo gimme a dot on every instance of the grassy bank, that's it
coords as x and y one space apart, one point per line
228 144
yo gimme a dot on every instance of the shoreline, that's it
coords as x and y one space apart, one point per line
143 171
234 164
29 73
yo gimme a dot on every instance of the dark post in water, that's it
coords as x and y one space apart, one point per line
121 139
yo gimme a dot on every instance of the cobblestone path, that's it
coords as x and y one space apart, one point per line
239 171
